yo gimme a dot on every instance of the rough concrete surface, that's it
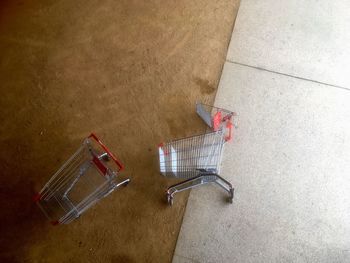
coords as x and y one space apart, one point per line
309 40
130 71
289 164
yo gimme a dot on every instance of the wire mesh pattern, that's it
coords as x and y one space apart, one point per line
186 158
89 175
214 117
197 159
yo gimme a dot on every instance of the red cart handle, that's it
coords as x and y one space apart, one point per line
121 167
229 125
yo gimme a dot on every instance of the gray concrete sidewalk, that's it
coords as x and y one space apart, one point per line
308 39
290 160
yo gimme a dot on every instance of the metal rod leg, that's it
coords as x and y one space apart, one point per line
124 183
176 188
197 181
225 185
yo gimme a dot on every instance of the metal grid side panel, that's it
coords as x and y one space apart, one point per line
76 186
52 200
183 158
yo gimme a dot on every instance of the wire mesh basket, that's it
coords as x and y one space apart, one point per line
89 175
185 158
197 158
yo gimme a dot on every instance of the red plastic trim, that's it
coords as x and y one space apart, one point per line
229 125
37 197
55 223
216 121
121 167
99 165
161 145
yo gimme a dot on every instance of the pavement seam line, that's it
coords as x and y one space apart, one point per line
288 75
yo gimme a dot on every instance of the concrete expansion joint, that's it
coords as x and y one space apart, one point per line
288 75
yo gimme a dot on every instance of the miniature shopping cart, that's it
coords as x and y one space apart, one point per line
197 159
89 175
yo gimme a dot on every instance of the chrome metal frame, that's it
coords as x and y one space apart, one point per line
88 176
197 158
201 179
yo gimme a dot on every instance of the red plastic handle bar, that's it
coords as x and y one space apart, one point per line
121 167
161 145
216 121
229 125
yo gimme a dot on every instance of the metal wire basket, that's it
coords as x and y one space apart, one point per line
89 175
198 158
185 158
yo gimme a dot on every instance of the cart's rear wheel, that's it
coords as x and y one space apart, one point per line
230 199
106 157
170 199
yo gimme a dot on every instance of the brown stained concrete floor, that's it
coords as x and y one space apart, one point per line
130 71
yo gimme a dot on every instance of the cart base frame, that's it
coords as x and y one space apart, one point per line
202 178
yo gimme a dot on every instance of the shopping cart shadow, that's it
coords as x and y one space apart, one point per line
20 220
22 223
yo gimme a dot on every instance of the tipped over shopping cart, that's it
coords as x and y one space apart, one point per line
88 176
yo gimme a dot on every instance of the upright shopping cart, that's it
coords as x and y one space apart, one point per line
197 158
89 175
